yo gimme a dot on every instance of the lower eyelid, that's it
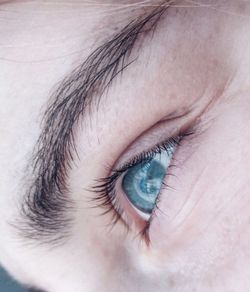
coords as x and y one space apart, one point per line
130 215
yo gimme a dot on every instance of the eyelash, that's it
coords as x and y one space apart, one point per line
105 188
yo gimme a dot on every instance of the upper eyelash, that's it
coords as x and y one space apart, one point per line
104 189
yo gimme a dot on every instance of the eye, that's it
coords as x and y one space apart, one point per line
131 192
142 183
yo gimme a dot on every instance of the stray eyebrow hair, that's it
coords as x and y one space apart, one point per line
46 212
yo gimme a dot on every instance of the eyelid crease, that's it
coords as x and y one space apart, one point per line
170 126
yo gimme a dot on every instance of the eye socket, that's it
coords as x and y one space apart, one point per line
142 183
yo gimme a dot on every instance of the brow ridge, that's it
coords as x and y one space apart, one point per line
46 212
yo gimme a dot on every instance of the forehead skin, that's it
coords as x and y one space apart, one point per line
199 55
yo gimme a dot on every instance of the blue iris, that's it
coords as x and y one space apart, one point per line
142 183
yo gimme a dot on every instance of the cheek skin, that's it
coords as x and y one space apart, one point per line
207 234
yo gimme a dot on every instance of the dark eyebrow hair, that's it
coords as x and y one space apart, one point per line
46 209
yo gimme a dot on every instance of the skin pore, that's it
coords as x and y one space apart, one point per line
187 74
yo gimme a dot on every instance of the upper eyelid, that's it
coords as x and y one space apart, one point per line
170 127
147 154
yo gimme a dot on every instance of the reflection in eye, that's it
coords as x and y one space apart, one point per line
142 183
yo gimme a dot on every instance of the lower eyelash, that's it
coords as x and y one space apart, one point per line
105 188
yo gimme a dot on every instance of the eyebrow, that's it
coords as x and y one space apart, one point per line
46 212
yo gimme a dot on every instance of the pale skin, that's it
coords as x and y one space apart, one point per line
195 71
